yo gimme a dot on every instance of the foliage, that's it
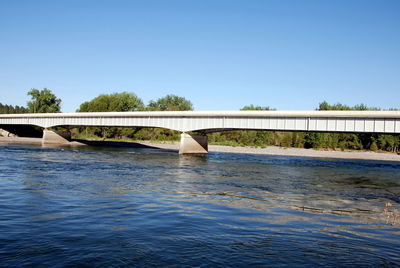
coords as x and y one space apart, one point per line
325 106
257 108
170 103
117 102
10 109
43 101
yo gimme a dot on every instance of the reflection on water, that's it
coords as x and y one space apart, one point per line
144 207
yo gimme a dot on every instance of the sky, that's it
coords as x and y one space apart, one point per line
219 54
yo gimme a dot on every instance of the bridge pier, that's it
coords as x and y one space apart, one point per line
193 144
51 137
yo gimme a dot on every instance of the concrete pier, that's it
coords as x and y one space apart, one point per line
51 137
193 144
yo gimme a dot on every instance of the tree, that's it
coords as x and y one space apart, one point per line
10 109
43 101
252 107
170 103
116 102
325 106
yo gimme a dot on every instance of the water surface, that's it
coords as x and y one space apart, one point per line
118 207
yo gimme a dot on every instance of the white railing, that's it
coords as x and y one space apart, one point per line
321 121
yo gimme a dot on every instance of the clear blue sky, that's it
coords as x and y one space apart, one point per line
221 55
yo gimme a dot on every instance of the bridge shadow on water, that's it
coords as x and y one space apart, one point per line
120 144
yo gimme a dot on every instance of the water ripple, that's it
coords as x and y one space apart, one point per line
136 207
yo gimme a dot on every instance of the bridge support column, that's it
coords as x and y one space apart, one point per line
193 144
51 137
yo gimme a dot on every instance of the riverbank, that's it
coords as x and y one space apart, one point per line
271 150
33 141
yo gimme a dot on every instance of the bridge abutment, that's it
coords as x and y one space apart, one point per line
193 144
51 137
6 133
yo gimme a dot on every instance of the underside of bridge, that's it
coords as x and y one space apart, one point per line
189 143
22 131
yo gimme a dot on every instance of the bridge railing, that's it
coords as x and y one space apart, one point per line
321 121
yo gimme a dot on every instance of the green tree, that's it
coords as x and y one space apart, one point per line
10 109
325 106
116 102
170 103
43 101
252 107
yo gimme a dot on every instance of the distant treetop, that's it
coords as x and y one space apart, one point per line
116 102
257 108
170 103
325 106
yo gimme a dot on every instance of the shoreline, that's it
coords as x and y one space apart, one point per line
270 150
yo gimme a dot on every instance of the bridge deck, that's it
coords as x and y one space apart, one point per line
324 121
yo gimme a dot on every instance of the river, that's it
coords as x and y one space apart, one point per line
124 207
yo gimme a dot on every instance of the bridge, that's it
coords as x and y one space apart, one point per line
203 122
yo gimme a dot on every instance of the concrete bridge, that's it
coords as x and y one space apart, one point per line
204 122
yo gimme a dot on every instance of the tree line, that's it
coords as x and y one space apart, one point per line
10 109
43 101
